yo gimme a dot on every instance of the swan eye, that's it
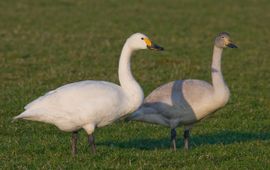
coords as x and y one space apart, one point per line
142 38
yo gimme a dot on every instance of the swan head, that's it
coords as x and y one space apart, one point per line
223 41
140 41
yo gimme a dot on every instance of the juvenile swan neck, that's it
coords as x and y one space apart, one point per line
219 84
216 60
130 86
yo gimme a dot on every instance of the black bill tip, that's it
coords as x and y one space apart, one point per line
231 45
155 47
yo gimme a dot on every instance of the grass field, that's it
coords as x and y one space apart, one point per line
45 44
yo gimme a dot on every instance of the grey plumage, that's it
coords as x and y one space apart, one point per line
184 102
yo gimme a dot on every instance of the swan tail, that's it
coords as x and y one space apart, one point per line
140 114
33 114
24 115
137 115
148 114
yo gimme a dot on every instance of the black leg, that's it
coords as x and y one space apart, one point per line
74 139
186 139
91 141
173 139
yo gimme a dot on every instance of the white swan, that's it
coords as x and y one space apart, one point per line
184 102
90 104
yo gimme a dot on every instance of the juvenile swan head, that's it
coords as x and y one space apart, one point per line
139 41
223 41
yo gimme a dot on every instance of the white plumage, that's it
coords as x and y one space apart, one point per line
90 104
84 104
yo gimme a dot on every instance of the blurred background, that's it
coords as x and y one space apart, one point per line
47 43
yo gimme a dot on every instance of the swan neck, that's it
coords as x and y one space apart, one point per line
219 84
216 60
128 83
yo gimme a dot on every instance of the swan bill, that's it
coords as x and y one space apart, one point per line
231 45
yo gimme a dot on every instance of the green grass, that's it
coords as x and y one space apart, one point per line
45 44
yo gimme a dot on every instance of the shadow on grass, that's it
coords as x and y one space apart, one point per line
224 137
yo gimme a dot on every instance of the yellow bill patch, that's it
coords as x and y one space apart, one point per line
148 42
227 41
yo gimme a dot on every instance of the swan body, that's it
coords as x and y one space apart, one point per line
81 105
90 104
184 102
194 98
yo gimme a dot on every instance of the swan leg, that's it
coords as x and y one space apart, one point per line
89 128
91 141
186 139
74 139
173 139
